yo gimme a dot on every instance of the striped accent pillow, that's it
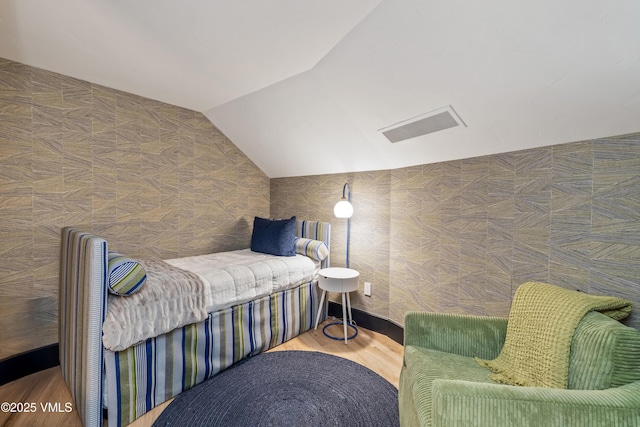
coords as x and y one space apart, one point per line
315 249
126 276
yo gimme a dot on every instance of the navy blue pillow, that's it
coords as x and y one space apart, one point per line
275 237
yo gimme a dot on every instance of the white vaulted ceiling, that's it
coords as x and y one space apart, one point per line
302 87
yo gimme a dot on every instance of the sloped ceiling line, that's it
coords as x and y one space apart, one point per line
302 87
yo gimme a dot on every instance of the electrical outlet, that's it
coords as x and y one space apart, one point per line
367 289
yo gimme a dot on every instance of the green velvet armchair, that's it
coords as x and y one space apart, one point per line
442 385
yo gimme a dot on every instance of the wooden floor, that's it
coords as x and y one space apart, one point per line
47 398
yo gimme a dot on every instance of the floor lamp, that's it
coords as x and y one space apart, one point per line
344 209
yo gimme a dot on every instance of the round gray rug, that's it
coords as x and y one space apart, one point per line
288 388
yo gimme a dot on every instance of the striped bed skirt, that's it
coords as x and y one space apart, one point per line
152 372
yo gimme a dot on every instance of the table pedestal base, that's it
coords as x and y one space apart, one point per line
350 337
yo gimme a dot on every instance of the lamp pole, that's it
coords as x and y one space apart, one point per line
347 188
344 209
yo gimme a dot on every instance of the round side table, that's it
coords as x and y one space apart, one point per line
338 279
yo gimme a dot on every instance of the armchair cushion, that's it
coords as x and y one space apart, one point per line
424 366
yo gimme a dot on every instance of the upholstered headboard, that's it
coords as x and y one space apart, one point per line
316 230
83 296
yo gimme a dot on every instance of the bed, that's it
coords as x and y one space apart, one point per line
127 379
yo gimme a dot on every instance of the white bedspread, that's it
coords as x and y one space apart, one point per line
226 279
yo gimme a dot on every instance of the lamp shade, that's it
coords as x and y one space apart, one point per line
343 209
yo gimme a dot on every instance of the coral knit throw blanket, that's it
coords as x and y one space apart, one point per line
541 324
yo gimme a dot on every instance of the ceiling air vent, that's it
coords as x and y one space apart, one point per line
433 121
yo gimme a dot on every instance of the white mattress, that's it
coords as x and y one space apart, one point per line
239 276
227 278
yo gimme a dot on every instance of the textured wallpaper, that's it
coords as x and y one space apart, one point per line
152 178
155 179
461 236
